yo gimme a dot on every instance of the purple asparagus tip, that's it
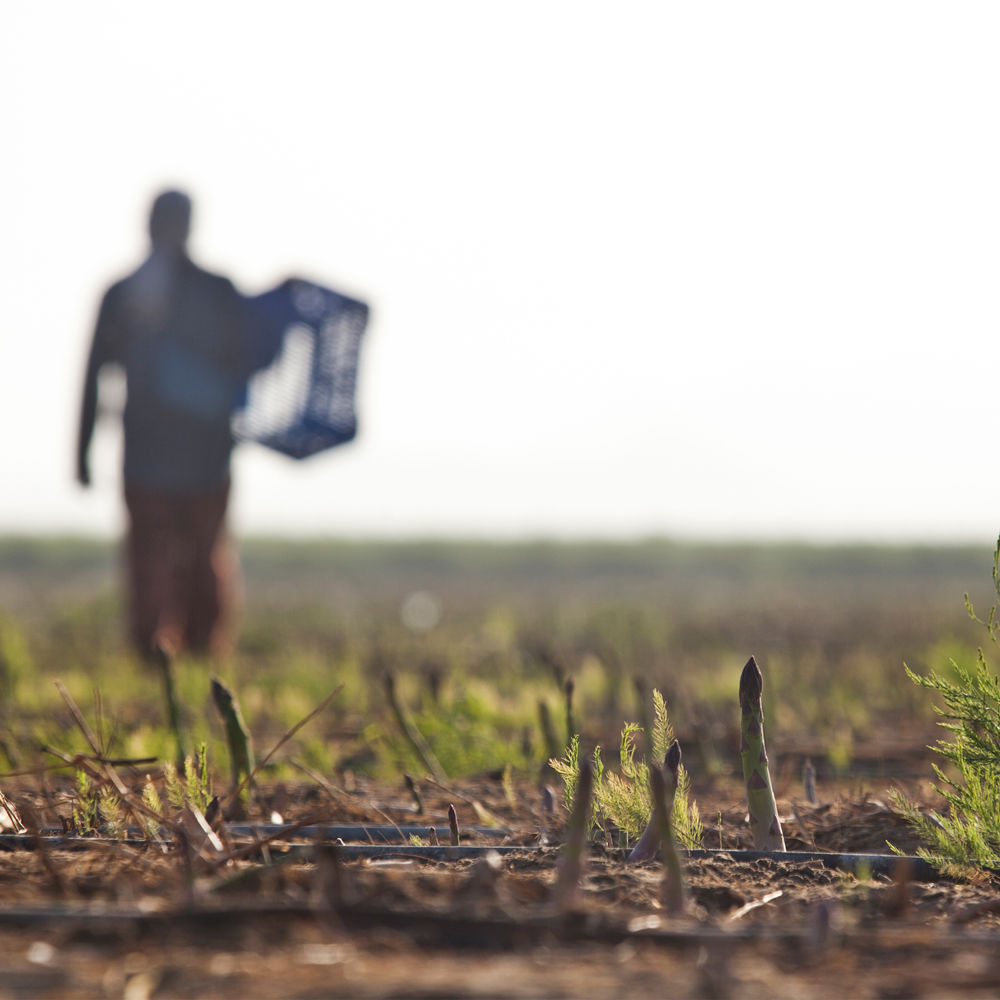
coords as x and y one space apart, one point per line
673 759
751 683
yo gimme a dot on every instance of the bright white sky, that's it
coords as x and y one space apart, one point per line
709 269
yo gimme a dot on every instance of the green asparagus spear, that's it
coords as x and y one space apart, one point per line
165 662
409 730
237 737
673 877
647 844
764 823
571 863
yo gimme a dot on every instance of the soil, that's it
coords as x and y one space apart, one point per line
145 920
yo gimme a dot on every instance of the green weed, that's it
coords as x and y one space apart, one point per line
969 833
87 808
620 805
194 787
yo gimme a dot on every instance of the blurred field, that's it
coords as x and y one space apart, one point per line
497 632
483 642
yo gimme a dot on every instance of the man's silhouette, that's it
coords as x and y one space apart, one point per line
176 331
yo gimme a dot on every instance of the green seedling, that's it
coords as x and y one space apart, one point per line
87 808
193 789
154 808
764 823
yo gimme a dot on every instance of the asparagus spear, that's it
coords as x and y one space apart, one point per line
237 737
164 661
571 863
651 836
673 878
409 730
764 823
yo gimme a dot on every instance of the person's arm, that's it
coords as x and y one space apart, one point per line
88 409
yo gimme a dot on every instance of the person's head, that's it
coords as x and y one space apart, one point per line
170 221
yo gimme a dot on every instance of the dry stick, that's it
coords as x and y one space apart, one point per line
81 722
72 761
755 904
453 825
240 851
166 664
13 819
413 735
284 739
673 877
104 773
237 737
650 839
571 863
764 823
330 789
807 837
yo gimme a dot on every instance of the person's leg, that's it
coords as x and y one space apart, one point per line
151 569
212 583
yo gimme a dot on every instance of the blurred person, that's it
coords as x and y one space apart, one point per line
176 331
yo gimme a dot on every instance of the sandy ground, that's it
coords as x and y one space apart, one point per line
139 921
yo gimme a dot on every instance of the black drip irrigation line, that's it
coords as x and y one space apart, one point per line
372 834
430 852
303 841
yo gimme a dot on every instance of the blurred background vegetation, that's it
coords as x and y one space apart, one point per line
484 639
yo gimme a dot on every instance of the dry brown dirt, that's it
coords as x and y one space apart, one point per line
134 920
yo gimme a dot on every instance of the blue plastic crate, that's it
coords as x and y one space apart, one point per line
305 342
